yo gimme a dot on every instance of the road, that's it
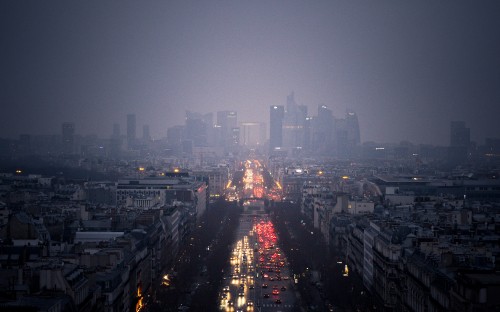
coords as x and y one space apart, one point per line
258 277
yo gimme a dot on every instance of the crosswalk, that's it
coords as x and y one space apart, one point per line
270 305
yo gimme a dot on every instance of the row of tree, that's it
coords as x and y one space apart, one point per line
202 258
322 284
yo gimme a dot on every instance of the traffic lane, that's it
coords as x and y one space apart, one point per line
239 298
275 291
237 292
272 281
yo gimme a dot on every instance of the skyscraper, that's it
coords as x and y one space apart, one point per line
352 126
68 137
459 134
235 139
459 142
131 130
347 135
323 130
277 113
198 128
294 124
226 120
175 138
115 143
145 133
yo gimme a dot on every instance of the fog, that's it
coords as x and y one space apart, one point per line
406 68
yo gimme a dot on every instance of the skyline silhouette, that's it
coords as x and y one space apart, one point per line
406 69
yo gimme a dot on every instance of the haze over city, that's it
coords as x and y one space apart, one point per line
267 155
406 68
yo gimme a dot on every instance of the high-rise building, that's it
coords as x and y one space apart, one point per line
175 138
131 130
199 128
277 113
352 126
294 123
341 139
459 142
68 137
175 135
250 133
459 134
226 120
323 131
115 143
347 136
235 139
145 133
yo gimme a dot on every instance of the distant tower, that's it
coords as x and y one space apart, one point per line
294 124
175 137
459 142
235 139
226 120
68 137
116 130
323 131
131 128
459 134
347 136
352 127
115 142
198 128
145 133
277 113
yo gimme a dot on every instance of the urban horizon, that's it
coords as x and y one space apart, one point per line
155 134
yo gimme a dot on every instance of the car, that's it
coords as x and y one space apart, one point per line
249 303
276 291
266 295
241 294
264 285
230 303
278 301
283 288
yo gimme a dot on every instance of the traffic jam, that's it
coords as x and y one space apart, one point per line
259 277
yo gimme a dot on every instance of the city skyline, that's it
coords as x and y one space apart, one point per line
265 137
406 69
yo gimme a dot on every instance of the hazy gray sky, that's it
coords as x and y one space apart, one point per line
406 67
